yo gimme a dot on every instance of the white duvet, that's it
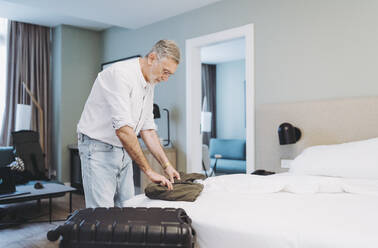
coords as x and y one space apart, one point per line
280 211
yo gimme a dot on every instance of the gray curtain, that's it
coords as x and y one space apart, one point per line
209 90
28 61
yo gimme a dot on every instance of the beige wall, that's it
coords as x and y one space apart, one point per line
321 123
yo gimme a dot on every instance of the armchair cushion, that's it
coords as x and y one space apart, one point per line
229 166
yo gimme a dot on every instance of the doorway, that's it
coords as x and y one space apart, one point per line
194 94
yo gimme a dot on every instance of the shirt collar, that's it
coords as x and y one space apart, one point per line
142 80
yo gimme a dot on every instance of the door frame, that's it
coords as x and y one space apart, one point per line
193 94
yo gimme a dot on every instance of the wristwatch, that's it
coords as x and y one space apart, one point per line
165 165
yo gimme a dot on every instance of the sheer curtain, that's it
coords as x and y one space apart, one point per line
3 59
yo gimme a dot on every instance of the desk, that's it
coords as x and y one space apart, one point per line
50 190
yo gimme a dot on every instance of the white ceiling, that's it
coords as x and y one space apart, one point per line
223 52
96 14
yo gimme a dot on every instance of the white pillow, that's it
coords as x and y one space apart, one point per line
349 160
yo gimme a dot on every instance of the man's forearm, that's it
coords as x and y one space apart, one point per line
151 139
130 142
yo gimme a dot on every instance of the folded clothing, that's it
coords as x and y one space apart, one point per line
184 189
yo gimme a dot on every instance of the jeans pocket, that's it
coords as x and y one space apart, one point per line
98 146
83 149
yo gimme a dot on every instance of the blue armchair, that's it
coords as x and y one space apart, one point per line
233 155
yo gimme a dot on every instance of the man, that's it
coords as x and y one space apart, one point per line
119 107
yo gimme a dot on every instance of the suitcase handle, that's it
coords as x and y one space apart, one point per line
53 235
183 217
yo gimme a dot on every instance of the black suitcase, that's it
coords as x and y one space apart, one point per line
126 227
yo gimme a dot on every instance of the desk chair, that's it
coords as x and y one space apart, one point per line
27 147
206 161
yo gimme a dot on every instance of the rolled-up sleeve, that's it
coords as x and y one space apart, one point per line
149 123
117 90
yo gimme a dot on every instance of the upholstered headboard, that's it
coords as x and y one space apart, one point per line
321 122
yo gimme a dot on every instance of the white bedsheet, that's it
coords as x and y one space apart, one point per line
281 211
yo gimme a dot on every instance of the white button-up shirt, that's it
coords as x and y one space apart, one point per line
120 97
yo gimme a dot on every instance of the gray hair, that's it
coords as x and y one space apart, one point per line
166 49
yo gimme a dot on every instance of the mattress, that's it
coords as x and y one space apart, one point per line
282 211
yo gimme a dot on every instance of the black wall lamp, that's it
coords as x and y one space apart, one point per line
288 134
156 112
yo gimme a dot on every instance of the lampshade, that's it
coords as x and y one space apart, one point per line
288 134
156 111
205 122
23 117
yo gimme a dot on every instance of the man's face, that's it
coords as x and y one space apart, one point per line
161 69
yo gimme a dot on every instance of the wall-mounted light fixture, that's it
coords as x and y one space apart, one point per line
156 111
288 134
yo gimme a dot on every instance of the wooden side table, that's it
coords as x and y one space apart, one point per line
171 154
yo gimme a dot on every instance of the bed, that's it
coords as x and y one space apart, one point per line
329 198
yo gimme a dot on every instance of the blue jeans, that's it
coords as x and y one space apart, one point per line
107 173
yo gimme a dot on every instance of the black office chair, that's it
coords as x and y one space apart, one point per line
26 146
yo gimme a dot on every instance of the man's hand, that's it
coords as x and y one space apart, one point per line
157 178
172 173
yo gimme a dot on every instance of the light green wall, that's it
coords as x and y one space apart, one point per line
77 54
313 49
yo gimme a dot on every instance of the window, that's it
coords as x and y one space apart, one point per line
3 59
